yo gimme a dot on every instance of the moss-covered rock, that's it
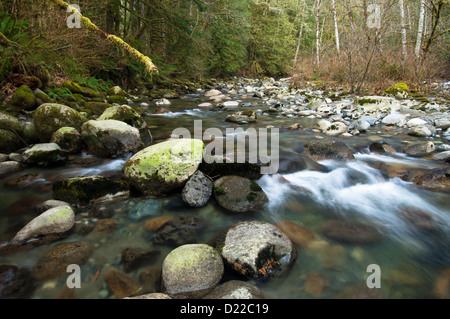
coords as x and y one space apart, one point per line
46 154
81 190
23 98
399 88
29 132
125 114
164 167
68 138
42 97
116 99
10 123
191 271
76 88
97 108
9 142
109 138
116 90
50 117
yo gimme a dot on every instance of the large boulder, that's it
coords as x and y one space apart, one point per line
239 194
81 190
197 190
434 180
164 167
110 138
256 249
322 150
76 88
23 98
50 117
125 114
10 123
45 154
419 149
53 223
97 107
68 138
191 271
53 263
9 141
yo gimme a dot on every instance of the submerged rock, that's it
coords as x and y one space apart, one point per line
81 190
133 258
54 262
109 138
121 284
298 234
191 271
197 190
434 180
178 231
256 249
238 194
164 167
322 150
350 233
15 282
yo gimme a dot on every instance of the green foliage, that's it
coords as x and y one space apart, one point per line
60 93
93 83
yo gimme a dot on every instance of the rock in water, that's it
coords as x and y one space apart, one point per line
45 154
54 262
53 222
256 249
9 167
125 114
133 258
191 271
434 180
419 149
420 131
350 233
235 289
322 150
81 190
335 129
248 116
395 119
164 167
68 138
109 138
15 282
50 117
121 284
178 231
239 194
197 190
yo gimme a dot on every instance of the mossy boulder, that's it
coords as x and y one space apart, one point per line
9 142
97 108
116 90
23 99
76 88
164 167
116 99
29 132
81 190
125 114
110 138
191 271
399 88
10 123
42 97
50 117
45 154
68 138
54 223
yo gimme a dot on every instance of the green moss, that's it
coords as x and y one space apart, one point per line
23 98
116 99
251 196
219 191
363 101
398 88
255 187
9 142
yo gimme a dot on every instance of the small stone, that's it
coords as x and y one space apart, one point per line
121 284
197 190
157 222
133 258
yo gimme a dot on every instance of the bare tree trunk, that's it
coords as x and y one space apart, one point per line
302 21
420 28
336 29
403 25
318 32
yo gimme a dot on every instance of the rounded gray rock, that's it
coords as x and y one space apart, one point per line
197 190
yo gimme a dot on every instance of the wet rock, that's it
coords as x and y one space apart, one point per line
49 204
322 150
197 190
68 138
162 110
235 289
242 117
121 284
394 119
9 141
155 295
238 194
164 167
299 235
295 163
134 258
316 284
380 147
419 149
55 222
415 122
53 263
420 131
191 271
213 92
110 138
50 117
223 165
360 291
441 287
15 282
434 180
150 278
81 190
144 208
442 156
9 167
45 154
156 223
360 125
256 249
350 233
179 231
124 113
105 227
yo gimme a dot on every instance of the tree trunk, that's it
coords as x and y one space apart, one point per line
420 28
403 25
336 29
318 32
302 21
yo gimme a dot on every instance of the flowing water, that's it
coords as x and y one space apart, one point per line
410 257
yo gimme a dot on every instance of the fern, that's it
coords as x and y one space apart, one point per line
93 83
62 93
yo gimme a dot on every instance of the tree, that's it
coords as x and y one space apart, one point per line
403 26
336 29
420 29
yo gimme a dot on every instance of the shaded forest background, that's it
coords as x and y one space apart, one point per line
312 40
